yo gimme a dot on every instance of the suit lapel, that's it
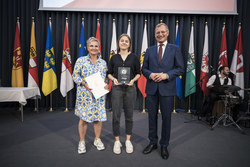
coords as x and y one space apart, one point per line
155 53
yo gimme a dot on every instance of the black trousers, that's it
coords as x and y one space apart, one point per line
123 97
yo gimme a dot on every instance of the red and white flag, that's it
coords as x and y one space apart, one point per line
223 49
237 67
205 64
98 36
66 83
33 72
142 80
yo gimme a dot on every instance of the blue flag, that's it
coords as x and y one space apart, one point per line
179 78
49 82
82 47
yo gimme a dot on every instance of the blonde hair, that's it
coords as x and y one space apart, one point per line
91 39
161 24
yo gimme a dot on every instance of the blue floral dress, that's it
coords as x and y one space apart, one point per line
87 107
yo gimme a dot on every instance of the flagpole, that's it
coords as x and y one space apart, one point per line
174 111
143 106
51 109
35 108
141 62
189 104
66 98
144 111
66 104
143 100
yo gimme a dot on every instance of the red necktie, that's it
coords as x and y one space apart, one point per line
160 53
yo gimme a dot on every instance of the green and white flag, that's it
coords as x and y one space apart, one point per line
190 72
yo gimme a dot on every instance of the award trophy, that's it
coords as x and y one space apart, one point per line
124 75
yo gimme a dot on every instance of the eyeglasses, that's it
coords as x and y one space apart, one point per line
160 32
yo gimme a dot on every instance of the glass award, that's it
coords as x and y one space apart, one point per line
124 75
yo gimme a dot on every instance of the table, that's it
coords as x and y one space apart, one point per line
19 94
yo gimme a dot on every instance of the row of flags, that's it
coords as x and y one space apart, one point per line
49 80
236 66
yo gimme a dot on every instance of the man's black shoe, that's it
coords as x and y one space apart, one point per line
149 148
164 153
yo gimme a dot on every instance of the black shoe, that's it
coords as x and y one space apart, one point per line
149 148
164 153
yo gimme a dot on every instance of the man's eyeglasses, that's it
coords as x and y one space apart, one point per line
160 32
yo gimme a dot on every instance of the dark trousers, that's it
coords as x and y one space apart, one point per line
213 97
166 107
123 97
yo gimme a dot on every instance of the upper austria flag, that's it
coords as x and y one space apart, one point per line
179 78
237 67
66 83
82 47
142 80
223 49
190 72
113 50
33 72
98 36
49 82
205 64
17 68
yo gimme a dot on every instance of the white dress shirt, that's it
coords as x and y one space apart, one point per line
222 79
163 47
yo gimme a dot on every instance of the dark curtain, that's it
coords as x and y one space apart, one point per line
26 9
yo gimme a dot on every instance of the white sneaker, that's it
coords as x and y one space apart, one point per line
81 147
99 145
117 147
129 147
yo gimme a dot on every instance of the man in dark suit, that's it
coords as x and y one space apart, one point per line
162 64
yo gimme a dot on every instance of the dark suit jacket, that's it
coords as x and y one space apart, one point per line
171 63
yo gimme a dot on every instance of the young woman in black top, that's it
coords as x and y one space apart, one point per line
123 70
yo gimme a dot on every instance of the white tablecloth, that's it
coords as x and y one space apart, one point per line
18 94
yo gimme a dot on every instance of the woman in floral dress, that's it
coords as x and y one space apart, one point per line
89 109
